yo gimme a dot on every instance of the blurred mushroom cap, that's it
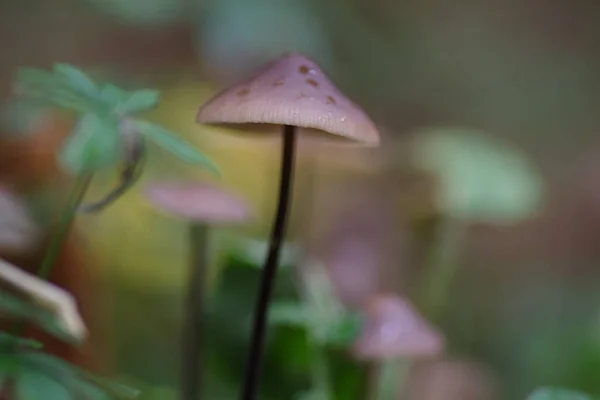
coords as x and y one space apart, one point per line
199 202
395 329
18 232
292 90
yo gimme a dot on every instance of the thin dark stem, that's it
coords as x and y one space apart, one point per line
269 273
192 338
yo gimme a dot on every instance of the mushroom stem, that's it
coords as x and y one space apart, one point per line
391 379
442 264
192 339
269 273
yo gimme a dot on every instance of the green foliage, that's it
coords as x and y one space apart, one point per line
22 310
549 393
172 143
254 252
96 143
480 180
38 375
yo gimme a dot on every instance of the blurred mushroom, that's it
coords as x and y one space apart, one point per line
293 92
202 205
17 230
394 334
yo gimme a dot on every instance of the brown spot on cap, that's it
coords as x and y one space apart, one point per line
331 100
312 82
304 69
278 82
243 92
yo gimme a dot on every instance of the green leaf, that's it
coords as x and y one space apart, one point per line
480 179
288 313
113 95
549 393
254 252
174 144
34 385
138 101
94 145
77 80
47 87
15 307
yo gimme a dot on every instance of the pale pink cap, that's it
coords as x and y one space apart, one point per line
292 90
199 202
395 329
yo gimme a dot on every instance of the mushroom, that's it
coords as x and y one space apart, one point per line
202 205
394 334
18 232
295 93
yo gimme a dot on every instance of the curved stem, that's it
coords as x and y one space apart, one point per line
192 339
269 273
62 229
131 173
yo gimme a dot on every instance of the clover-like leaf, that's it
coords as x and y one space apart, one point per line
138 101
77 80
35 385
289 314
550 393
50 89
94 145
112 95
171 142
480 179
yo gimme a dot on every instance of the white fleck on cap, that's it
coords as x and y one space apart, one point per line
395 329
293 90
199 202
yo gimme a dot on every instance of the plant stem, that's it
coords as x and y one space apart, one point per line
391 379
269 273
192 338
443 264
62 229
320 371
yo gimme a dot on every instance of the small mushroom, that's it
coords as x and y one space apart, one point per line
394 335
18 232
292 92
201 205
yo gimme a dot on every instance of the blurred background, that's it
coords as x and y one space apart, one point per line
508 92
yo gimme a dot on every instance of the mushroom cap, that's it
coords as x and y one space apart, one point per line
199 202
292 90
395 329
17 229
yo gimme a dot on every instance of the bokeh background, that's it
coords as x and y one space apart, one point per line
522 310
